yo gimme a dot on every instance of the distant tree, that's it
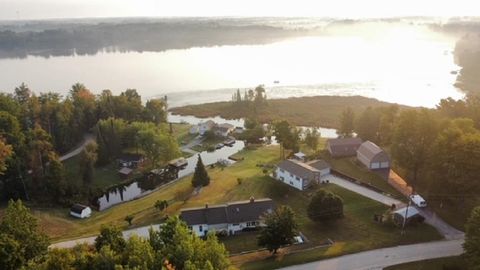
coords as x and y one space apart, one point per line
138 253
311 138
280 230
347 123
200 176
472 240
88 158
156 111
106 258
325 206
110 236
287 136
367 125
414 135
20 234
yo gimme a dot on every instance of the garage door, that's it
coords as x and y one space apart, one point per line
375 165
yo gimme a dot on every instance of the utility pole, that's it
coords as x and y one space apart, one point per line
405 217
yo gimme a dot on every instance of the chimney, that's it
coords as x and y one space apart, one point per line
252 199
206 206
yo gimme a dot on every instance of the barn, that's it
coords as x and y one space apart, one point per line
80 211
372 156
343 147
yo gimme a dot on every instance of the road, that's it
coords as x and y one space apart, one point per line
380 258
431 218
86 139
141 231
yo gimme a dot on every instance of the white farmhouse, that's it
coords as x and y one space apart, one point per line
227 218
299 174
80 211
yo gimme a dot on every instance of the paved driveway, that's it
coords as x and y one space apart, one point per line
380 258
86 139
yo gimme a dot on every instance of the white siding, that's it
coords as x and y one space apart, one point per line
85 213
289 179
384 165
375 165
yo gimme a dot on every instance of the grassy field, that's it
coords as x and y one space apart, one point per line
451 263
355 232
102 177
303 111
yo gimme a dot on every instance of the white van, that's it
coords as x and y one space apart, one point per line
418 200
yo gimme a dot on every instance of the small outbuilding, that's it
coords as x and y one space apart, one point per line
343 147
412 215
300 156
80 211
125 172
130 160
372 156
320 165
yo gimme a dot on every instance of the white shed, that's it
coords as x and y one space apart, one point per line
80 211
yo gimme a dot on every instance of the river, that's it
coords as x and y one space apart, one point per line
406 66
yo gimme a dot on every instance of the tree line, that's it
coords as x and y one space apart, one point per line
437 150
36 129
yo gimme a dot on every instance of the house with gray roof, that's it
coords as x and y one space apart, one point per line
301 175
372 156
230 218
343 147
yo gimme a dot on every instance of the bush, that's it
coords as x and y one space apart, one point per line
325 206
239 180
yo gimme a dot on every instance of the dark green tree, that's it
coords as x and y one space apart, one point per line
10 253
19 230
200 176
347 120
110 236
472 240
280 230
88 158
325 206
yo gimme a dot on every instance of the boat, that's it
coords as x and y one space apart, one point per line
178 163
229 142
276 82
454 72
219 145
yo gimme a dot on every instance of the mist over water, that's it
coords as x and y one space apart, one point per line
398 63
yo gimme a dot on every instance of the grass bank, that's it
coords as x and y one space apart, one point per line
302 111
452 263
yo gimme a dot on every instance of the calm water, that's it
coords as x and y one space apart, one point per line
406 65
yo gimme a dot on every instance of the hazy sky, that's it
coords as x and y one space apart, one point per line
42 9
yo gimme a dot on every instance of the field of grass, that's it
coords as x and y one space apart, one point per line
303 111
353 233
102 177
451 263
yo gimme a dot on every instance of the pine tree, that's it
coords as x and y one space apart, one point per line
200 176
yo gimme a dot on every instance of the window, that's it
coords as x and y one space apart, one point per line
200 228
282 170
298 178
235 224
291 183
291 175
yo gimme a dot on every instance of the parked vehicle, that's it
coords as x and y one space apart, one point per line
418 200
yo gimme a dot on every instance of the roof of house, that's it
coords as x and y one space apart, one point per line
78 208
225 127
344 141
209 123
369 150
299 155
319 164
235 212
344 146
297 168
125 171
412 211
128 157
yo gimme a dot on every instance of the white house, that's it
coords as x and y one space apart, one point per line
228 218
80 211
372 156
299 174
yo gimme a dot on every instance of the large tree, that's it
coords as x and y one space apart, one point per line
280 229
5 153
88 158
414 135
200 176
472 240
347 126
110 236
19 233
325 206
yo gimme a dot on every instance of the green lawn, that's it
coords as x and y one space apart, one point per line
355 232
451 263
102 177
